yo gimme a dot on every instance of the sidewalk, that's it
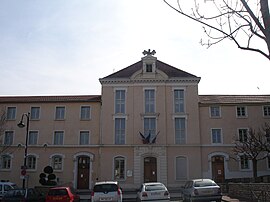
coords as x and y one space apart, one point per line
229 199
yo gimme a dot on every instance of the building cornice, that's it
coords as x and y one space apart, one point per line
129 81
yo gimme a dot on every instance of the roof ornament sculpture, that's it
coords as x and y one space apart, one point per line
149 52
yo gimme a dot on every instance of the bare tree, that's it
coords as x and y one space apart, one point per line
254 146
245 22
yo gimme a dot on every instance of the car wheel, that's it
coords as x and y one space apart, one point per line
190 199
184 198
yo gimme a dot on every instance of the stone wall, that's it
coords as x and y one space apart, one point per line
251 191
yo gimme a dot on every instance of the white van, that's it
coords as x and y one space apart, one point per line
5 186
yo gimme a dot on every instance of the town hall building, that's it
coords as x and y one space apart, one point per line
149 124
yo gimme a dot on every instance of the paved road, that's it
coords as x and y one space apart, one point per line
86 200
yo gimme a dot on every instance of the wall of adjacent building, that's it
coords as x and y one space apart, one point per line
45 149
229 123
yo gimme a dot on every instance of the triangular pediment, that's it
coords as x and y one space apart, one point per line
150 68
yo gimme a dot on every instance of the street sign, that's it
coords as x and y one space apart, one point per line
23 172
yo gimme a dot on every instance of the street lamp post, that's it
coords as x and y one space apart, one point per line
22 125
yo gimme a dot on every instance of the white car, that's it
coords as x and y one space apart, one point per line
153 191
201 190
5 186
106 191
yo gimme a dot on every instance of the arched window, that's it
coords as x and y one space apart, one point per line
119 168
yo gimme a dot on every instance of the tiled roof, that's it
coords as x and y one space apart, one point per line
64 98
171 71
203 99
234 99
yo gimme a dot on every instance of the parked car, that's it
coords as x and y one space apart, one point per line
201 190
153 191
23 195
62 194
106 191
5 186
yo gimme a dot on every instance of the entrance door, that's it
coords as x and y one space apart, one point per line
218 174
150 169
83 172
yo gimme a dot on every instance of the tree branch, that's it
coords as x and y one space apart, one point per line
232 19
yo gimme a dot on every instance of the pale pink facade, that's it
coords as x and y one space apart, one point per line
89 138
63 153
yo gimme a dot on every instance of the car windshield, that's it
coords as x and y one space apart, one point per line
204 184
58 192
14 186
154 187
19 192
105 188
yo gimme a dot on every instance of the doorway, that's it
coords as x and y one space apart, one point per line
150 169
83 172
218 174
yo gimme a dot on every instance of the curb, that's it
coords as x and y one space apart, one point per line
228 199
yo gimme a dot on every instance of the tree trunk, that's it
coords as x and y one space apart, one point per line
254 166
266 21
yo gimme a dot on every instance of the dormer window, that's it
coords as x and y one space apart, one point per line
149 68
149 64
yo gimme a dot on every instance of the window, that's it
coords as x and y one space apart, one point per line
119 168
266 111
58 138
181 168
9 137
214 111
268 162
149 101
178 101
35 113
244 163
150 128
120 130
31 162
180 130
57 162
149 68
84 137
243 134
216 135
241 112
11 113
85 113
267 134
33 136
120 100
59 113
5 162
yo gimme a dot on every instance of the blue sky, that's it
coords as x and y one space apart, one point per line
62 47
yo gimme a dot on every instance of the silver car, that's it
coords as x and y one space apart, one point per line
201 190
153 191
5 186
106 191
